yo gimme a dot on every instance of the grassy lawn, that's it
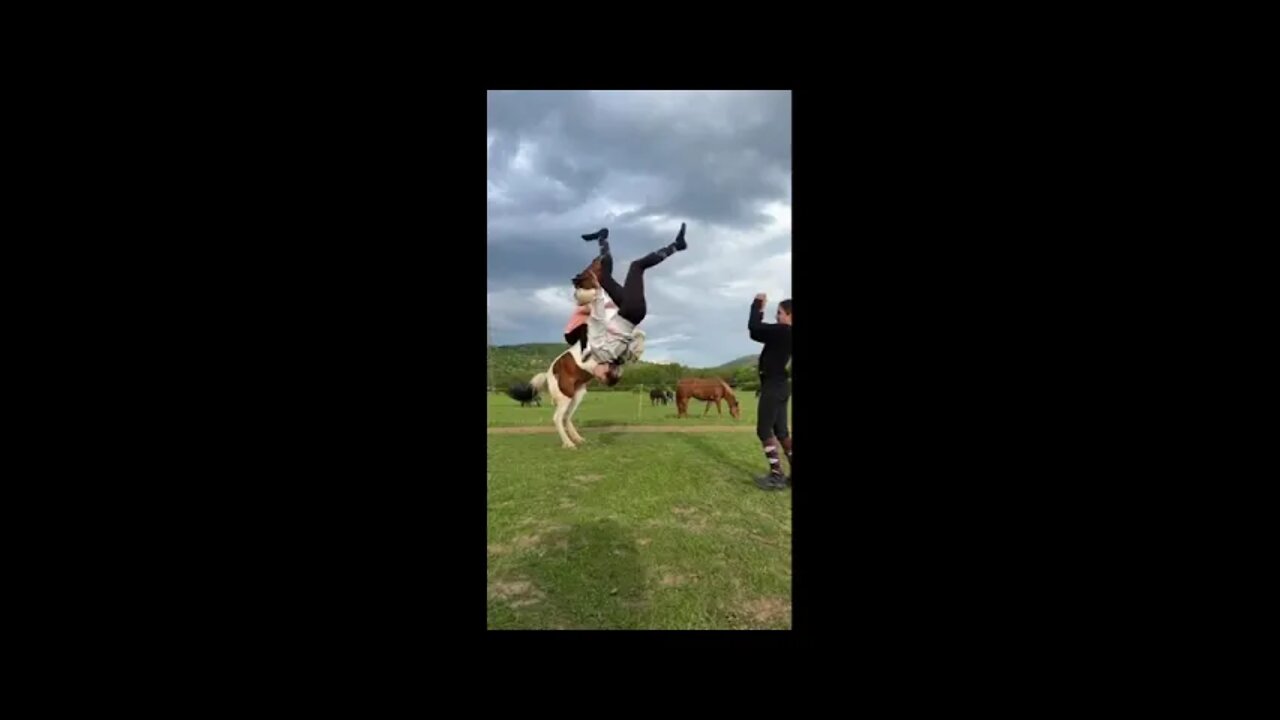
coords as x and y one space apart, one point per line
633 531
619 408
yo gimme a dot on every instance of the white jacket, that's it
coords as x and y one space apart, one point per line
611 337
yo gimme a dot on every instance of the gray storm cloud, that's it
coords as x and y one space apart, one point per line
640 163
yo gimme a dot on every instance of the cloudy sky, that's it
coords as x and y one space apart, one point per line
569 162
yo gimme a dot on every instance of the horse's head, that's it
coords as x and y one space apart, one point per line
586 283
733 401
589 279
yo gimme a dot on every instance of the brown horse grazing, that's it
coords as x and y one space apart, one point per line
709 389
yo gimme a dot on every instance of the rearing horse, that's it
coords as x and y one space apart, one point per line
567 378
709 389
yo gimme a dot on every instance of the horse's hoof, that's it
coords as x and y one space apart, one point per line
569 446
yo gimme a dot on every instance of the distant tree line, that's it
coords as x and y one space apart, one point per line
513 365
649 376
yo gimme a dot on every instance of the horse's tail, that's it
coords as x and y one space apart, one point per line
522 391
539 382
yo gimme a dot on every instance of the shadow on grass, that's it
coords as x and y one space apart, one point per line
716 453
594 580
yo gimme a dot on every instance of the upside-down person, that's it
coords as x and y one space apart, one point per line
575 331
613 311
771 421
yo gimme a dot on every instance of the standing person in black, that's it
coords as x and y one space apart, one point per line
771 422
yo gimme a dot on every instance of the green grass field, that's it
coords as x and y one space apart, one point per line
633 531
620 408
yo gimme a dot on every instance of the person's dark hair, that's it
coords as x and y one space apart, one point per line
786 305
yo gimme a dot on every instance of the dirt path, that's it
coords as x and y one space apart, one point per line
550 429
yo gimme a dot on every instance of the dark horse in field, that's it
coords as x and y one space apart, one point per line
659 396
709 389
525 393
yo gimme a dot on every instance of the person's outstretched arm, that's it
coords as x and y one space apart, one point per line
760 330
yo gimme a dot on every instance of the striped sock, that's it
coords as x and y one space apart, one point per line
771 453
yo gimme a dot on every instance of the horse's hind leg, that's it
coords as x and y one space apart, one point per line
573 408
562 407
559 418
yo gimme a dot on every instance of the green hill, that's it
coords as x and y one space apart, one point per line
742 372
748 361
519 363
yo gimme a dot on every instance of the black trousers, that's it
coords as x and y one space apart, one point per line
579 335
771 421
629 297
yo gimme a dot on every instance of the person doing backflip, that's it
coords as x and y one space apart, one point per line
612 311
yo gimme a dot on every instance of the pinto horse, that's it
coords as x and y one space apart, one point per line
567 378
709 389
566 381
658 396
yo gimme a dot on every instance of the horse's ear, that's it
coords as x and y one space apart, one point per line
584 278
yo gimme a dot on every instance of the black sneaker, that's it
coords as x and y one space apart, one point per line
770 482
601 234
680 243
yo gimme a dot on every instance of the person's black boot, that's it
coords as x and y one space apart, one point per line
770 482
601 235
671 249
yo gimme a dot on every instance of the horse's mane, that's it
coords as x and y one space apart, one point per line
728 392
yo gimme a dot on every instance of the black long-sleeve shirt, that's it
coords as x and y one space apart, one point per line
777 343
